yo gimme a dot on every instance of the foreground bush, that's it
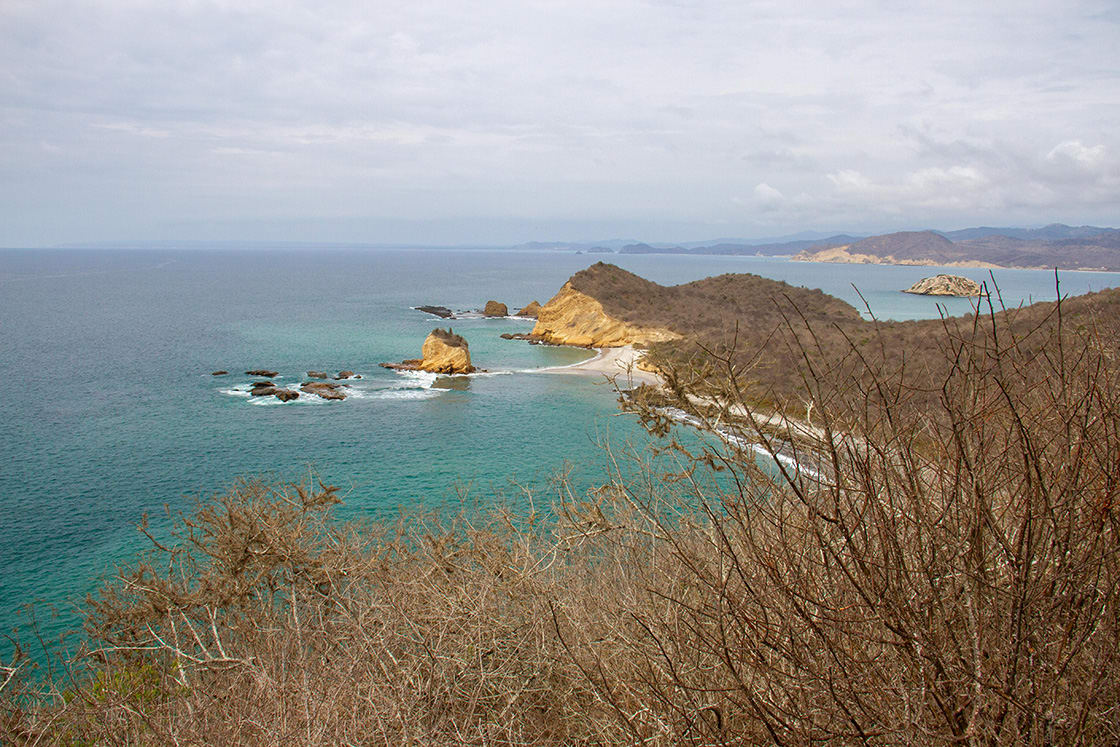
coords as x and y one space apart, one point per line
930 557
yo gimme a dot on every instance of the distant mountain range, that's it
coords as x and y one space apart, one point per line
1062 247
1057 245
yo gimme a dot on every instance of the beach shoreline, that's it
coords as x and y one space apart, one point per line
615 364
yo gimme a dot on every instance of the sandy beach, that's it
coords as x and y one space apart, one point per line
619 364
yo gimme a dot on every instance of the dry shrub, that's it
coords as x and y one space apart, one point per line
934 560
946 570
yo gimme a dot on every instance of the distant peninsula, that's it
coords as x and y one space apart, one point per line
1054 246
741 315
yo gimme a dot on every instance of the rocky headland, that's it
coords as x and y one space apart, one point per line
945 285
572 317
443 352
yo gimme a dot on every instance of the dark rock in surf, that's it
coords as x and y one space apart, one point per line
324 389
441 311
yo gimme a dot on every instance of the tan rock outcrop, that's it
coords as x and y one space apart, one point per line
945 285
495 308
445 352
574 318
531 310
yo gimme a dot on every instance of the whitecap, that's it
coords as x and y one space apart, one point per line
414 379
404 394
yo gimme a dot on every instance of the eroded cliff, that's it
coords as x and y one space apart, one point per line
574 318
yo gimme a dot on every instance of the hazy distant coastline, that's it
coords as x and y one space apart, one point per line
1053 246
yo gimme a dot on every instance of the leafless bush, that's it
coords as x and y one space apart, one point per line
930 555
946 571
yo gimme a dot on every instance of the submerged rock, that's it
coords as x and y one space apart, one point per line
262 372
458 383
494 308
218 373
945 285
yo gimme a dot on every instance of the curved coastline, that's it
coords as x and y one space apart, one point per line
611 363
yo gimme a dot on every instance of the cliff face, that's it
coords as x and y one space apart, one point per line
574 318
945 285
446 353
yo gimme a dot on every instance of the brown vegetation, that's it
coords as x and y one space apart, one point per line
940 564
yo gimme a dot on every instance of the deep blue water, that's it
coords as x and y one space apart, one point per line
110 412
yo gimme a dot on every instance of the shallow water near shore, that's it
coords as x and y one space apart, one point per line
111 411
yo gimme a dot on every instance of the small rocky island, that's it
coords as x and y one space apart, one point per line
945 285
531 310
495 308
443 352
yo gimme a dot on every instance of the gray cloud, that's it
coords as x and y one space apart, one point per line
499 121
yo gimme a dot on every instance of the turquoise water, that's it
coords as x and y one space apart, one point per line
110 411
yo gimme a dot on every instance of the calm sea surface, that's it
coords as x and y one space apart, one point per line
109 410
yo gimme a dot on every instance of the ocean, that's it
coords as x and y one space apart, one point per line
110 410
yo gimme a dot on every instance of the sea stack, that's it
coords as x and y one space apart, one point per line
945 285
495 308
443 352
531 310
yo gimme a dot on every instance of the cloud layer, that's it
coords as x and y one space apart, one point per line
504 121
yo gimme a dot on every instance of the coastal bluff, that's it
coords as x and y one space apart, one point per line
443 352
607 306
572 317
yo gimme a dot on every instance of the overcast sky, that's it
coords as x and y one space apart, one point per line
511 120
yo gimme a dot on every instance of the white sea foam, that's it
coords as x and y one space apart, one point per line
739 442
406 385
406 394
414 379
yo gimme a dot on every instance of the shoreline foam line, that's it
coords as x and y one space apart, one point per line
611 363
